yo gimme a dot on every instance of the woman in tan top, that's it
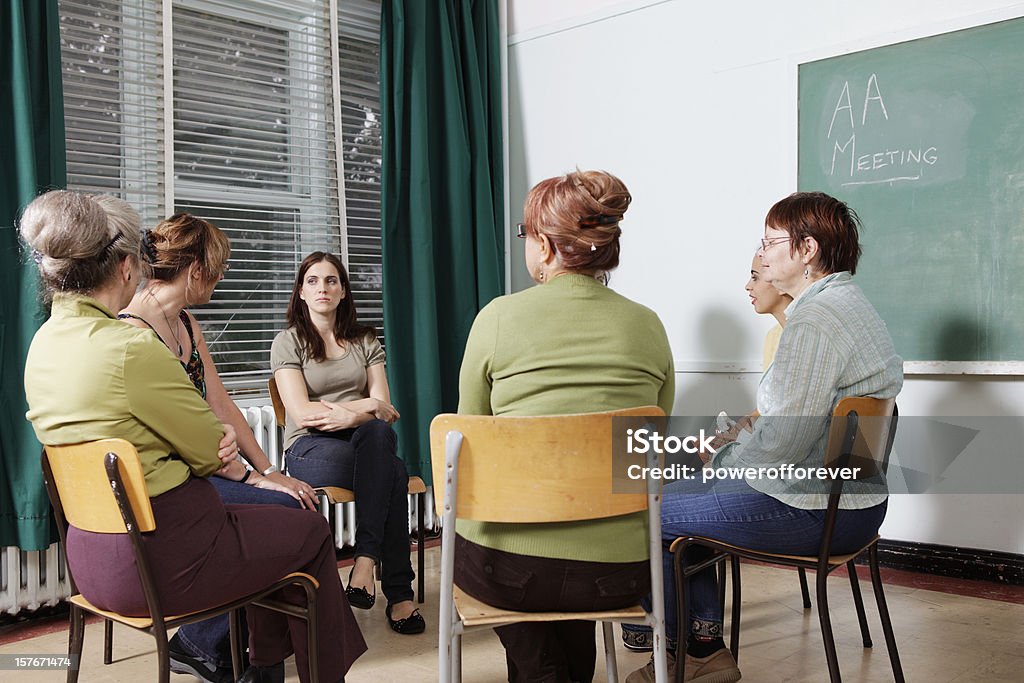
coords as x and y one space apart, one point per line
330 372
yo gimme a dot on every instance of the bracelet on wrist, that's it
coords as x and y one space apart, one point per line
248 473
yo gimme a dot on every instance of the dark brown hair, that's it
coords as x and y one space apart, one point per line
832 224
183 239
580 213
346 326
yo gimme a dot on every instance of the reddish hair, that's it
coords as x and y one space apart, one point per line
175 243
832 224
580 213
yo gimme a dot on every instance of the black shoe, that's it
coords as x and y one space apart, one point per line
263 674
409 626
360 597
184 663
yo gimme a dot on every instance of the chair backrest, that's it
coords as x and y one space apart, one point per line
533 469
84 488
870 444
275 400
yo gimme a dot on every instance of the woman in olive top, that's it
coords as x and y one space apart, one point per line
89 376
570 345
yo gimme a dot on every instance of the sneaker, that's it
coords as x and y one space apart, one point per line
718 667
184 663
637 640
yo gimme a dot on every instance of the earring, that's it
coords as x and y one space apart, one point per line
540 275
807 272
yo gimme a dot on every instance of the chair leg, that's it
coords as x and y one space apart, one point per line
734 625
108 641
821 590
163 656
858 602
883 612
803 587
721 584
421 501
76 634
457 659
312 637
609 652
681 614
234 631
445 646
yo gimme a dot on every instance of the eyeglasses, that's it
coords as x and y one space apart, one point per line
765 243
521 230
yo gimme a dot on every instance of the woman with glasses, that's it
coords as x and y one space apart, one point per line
569 345
187 258
329 369
834 345
89 376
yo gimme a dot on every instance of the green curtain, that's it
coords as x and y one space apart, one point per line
32 137
442 199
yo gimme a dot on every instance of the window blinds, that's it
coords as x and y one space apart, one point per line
254 143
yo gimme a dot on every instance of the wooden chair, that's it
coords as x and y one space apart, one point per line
861 435
530 470
98 486
333 495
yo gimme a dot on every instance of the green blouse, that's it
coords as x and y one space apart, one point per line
90 376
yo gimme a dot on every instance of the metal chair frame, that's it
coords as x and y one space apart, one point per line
448 440
159 622
848 410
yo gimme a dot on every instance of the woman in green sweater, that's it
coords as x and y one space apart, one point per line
571 345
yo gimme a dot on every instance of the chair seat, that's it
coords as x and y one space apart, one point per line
144 623
336 494
809 560
141 623
473 612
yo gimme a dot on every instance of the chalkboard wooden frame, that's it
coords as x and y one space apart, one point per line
911 366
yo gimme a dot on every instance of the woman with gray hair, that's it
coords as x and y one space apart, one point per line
89 376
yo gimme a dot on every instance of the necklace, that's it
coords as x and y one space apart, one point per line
172 327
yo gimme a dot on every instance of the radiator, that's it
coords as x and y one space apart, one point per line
31 580
264 425
34 579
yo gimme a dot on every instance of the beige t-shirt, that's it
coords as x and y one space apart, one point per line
771 345
336 379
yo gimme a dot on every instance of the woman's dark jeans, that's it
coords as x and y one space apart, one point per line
364 460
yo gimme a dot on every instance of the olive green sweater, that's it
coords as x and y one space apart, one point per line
569 346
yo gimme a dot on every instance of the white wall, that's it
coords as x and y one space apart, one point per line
692 105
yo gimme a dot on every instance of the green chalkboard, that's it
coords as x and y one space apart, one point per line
925 139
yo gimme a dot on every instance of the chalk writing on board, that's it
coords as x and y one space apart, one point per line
872 164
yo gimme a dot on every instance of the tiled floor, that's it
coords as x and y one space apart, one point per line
943 637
